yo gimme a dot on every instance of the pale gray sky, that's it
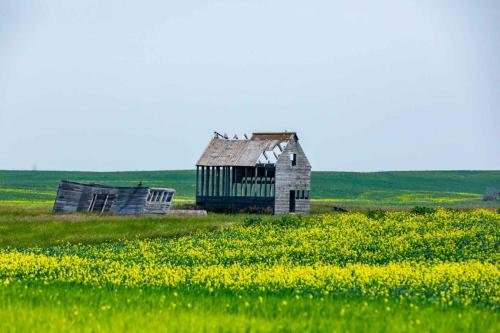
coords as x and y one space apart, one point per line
141 85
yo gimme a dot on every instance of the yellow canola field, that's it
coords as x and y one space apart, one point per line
446 257
464 282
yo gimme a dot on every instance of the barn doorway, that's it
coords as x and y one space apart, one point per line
292 202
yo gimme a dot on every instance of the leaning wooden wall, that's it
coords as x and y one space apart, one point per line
76 197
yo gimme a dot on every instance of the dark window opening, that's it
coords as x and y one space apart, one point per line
101 203
293 159
168 197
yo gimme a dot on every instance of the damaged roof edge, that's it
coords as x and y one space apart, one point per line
282 136
117 187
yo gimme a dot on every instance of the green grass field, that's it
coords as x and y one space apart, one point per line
389 190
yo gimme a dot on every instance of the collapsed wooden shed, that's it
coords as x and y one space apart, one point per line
78 197
269 171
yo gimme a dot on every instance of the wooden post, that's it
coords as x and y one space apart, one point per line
260 186
235 181
228 181
213 181
202 183
252 182
218 181
208 182
197 178
225 181
241 187
231 170
265 181
245 182
254 185
233 186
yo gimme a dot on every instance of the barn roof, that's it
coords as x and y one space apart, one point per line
260 148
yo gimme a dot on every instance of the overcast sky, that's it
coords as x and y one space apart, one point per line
141 85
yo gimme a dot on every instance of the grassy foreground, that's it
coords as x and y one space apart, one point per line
76 308
29 225
384 272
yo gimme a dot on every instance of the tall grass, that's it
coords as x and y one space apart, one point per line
75 308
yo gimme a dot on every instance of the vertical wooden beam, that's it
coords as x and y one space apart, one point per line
238 185
260 187
245 180
254 192
252 182
213 181
233 186
202 182
217 181
241 187
232 182
229 170
224 180
197 178
228 181
207 182
265 181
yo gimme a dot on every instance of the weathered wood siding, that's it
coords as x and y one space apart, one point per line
76 197
292 178
69 196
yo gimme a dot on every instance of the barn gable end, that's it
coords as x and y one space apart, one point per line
293 178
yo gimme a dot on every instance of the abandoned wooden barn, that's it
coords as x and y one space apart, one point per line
78 197
269 172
